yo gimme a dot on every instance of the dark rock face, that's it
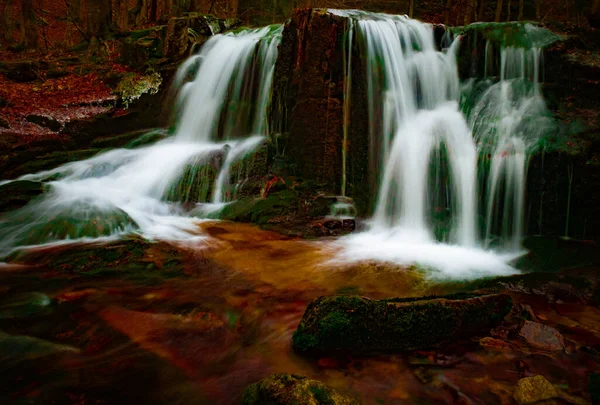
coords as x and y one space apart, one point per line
357 325
564 180
308 100
289 389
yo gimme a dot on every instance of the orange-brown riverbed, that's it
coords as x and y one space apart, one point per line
223 317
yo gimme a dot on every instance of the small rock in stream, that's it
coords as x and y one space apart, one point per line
534 389
542 336
289 389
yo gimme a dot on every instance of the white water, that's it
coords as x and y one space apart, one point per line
426 151
508 119
125 190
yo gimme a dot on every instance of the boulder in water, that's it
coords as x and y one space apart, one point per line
534 389
542 336
288 389
358 325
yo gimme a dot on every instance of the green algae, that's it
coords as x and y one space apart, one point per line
359 325
290 389
510 34
133 86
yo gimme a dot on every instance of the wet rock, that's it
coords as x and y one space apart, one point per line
17 194
331 226
358 325
45 121
133 86
289 389
542 336
20 70
534 389
492 343
566 287
193 28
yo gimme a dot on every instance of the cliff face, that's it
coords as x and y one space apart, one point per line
564 180
308 103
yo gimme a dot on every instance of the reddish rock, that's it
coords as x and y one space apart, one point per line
542 336
489 342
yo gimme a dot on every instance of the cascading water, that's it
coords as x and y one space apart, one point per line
426 150
221 116
508 119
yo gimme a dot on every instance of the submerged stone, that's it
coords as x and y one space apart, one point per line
359 325
542 336
290 389
534 389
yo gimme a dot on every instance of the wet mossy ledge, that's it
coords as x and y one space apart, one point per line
290 389
358 325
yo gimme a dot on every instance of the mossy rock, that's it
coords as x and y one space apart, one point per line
290 389
261 210
18 193
510 34
358 325
52 220
133 86
134 258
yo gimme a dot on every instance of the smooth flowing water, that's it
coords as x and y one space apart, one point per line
220 115
441 164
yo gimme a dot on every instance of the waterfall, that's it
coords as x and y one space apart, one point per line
221 116
438 160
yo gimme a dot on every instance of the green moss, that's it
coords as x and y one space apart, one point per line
289 389
134 259
133 86
360 325
510 34
260 211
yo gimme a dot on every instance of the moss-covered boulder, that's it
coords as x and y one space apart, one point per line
358 325
532 390
134 258
133 86
289 389
17 194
